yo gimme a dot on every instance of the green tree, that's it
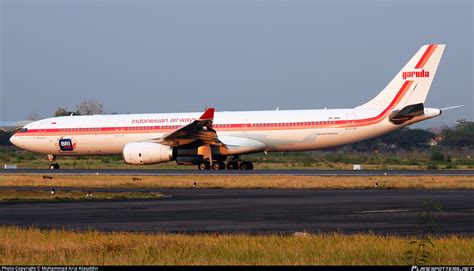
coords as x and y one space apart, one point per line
5 138
462 135
436 155
90 107
63 111
405 138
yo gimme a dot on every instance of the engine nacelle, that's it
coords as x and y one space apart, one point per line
146 153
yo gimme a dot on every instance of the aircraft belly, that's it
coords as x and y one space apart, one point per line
312 139
281 140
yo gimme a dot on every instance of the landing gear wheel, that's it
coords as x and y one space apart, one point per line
216 166
203 165
245 165
221 165
54 164
232 165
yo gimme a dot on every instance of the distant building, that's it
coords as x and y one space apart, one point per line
432 142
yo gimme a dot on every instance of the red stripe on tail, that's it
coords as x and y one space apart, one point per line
429 51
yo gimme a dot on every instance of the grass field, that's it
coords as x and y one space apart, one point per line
291 160
244 182
60 247
20 246
22 195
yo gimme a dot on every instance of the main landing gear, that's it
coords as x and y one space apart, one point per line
243 165
54 164
234 164
216 165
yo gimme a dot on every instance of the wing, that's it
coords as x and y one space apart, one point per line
200 130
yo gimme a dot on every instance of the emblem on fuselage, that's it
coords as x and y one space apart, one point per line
66 144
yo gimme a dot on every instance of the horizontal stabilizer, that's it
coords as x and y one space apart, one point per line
406 113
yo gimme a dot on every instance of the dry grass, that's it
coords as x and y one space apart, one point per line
59 247
279 182
14 195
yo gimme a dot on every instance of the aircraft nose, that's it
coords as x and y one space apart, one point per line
14 140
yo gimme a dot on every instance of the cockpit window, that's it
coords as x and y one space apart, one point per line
23 130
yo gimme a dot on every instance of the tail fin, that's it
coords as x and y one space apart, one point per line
411 85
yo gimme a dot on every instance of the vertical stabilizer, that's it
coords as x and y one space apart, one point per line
412 83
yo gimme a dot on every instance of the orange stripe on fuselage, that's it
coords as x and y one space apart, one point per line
231 127
398 97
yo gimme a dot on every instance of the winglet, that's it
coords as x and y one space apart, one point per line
208 115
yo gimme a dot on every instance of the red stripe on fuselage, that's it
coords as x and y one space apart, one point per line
228 127
394 102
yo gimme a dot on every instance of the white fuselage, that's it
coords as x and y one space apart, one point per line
284 130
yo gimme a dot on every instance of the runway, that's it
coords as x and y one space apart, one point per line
251 211
187 172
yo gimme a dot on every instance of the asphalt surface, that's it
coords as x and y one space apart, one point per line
251 211
179 172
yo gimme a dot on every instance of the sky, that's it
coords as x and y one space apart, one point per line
181 56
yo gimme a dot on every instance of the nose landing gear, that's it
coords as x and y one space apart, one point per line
54 164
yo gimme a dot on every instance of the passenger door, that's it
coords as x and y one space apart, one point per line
350 119
245 125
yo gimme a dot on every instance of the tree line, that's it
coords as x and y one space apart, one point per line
458 137
87 107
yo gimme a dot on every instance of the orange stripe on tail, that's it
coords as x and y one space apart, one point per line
429 51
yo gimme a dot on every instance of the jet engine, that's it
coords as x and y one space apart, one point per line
145 153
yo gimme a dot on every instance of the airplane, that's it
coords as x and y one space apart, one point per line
208 139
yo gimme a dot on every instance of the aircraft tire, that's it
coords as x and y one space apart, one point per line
216 166
245 165
203 165
232 165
